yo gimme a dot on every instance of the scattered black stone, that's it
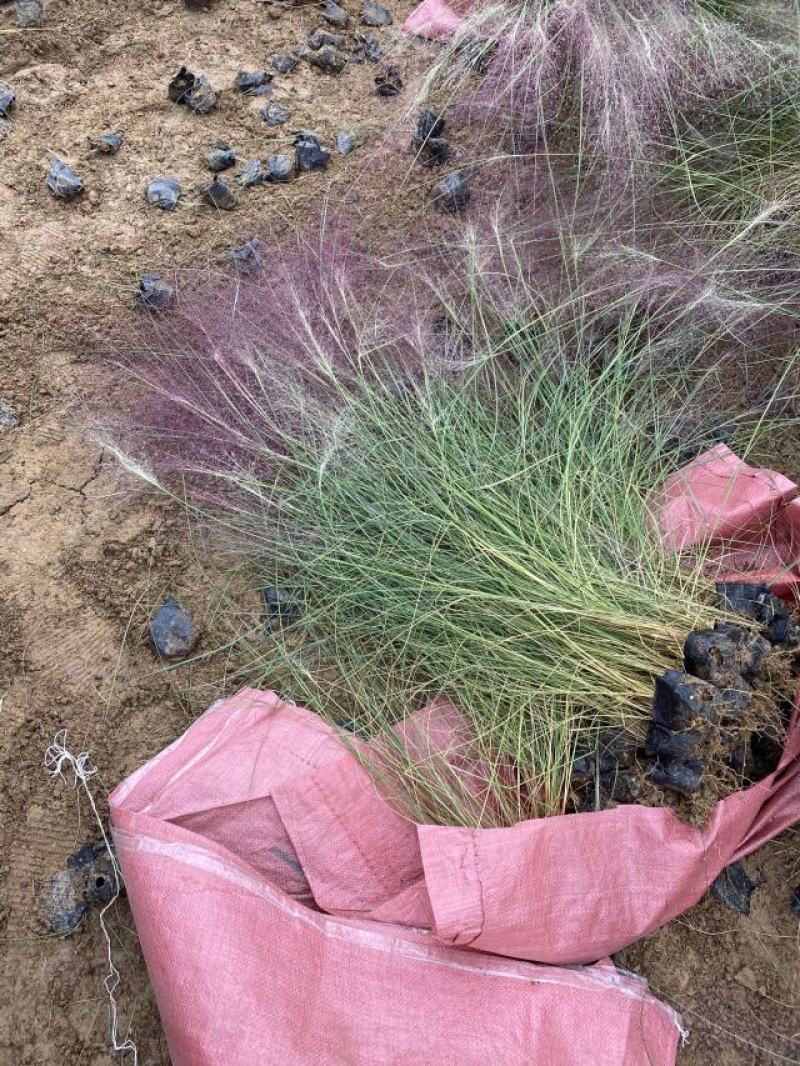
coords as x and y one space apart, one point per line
275 113
434 152
309 152
284 64
796 901
756 756
328 60
680 701
89 877
63 182
733 888
172 630
624 787
389 82
220 156
345 142
7 100
431 147
663 743
784 631
615 751
192 91
335 15
751 601
108 143
452 194
429 124
280 605
281 167
368 49
246 258
163 193
251 174
9 419
29 13
374 14
253 82
319 38
728 656
153 293
677 775
218 194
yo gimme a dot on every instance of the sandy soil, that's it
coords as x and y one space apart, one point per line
83 559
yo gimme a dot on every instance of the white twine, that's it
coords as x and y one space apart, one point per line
57 759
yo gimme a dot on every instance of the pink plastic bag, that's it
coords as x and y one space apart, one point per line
246 974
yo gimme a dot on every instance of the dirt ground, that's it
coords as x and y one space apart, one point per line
84 558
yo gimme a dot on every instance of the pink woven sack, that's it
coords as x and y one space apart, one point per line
283 906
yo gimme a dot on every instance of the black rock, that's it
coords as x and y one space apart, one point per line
172 630
280 605
319 38
328 60
751 601
29 13
309 152
796 901
183 83
153 294
7 100
370 45
253 82
434 152
218 194
108 143
335 15
89 877
624 787
247 257
389 82
374 14
220 157
252 173
284 64
727 656
63 182
615 751
681 700
429 124
281 167
163 193
345 142
665 744
677 775
275 113
733 888
9 419
452 194
784 632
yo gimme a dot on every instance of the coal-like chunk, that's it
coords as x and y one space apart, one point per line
389 82
429 124
310 153
108 143
727 656
335 15
584 767
7 100
375 14
677 775
680 700
751 601
218 194
615 751
328 59
624 786
163 193
29 13
434 152
220 156
246 258
153 293
253 82
89 876
733 888
275 113
172 630
665 744
281 607
251 174
368 49
284 64
182 84
320 38
9 419
192 91
63 182
281 167
452 194
345 142
784 632
796 901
